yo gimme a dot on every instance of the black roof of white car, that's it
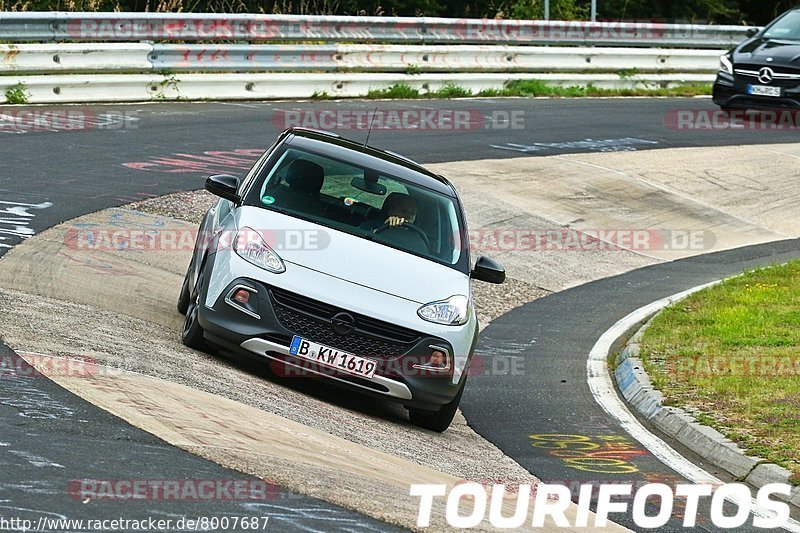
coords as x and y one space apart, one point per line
333 145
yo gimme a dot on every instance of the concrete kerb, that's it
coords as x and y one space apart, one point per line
635 386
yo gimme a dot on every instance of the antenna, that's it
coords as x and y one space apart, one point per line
371 122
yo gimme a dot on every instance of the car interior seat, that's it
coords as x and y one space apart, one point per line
305 180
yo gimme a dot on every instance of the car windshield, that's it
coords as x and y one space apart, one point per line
360 201
786 28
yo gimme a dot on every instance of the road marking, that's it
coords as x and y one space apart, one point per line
593 145
15 221
250 106
605 395
601 454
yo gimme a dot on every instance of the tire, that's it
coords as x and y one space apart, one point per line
183 298
192 333
440 419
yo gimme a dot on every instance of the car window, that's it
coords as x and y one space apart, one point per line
787 27
340 186
359 201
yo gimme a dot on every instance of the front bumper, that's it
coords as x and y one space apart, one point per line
261 329
730 91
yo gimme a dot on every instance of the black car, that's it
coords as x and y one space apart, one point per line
764 70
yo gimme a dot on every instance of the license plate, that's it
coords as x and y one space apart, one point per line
763 90
331 357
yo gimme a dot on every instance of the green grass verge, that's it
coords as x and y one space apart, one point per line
526 88
730 355
540 88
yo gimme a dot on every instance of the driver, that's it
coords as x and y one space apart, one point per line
398 208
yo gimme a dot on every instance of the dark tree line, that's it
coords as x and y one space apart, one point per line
747 12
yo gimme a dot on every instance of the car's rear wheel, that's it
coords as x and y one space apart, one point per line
440 419
192 334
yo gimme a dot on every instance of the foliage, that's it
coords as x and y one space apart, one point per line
16 94
450 90
395 91
529 88
750 12
559 9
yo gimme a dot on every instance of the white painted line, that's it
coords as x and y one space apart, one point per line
605 394
239 105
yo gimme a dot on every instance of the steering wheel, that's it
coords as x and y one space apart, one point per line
410 226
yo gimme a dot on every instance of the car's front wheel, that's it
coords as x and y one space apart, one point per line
183 298
192 334
440 419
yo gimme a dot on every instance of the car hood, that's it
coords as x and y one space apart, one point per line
783 53
354 259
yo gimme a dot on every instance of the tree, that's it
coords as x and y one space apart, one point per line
559 9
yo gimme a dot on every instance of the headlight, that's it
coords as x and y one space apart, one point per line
250 246
451 312
725 64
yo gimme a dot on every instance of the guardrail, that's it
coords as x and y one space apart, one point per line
63 26
346 56
101 57
260 86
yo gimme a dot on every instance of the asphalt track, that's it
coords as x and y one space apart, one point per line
49 436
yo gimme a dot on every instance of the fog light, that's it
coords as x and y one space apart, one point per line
242 296
438 359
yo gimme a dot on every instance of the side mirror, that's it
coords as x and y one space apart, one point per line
488 270
224 186
751 32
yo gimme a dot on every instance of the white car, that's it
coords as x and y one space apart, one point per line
340 261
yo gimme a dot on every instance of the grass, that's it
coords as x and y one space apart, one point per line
526 88
730 355
17 94
399 91
540 88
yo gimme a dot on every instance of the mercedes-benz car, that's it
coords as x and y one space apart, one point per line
335 260
764 70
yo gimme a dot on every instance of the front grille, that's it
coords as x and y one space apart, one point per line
788 71
783 77
311 319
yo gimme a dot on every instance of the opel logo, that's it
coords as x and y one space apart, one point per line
766 75
343 323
